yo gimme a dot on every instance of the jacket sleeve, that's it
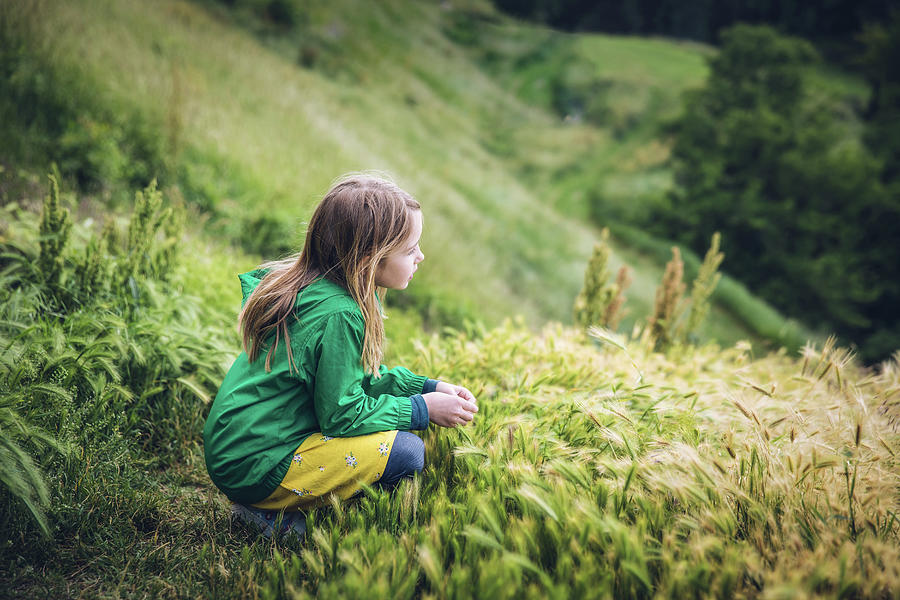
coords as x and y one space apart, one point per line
344 406
399 380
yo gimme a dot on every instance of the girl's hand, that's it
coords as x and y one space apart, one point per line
455 390
449 410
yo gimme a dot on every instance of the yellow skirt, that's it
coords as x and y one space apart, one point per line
323 465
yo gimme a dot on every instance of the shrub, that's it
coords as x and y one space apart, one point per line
283 12
268 235
98 346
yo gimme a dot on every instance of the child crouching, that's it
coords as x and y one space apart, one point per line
307 409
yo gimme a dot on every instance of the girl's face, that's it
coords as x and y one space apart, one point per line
395 270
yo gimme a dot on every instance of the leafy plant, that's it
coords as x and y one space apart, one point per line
98 349
54 235
22 479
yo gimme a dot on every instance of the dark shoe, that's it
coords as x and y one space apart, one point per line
271 522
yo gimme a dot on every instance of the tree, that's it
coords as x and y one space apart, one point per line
831 23
881 66
796 201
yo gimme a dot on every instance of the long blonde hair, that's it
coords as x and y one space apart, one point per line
361 220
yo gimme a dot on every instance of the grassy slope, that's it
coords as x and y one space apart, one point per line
639 82
576 480
290 131
489 163
713 474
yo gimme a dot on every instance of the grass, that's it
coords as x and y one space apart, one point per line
714 474
253 138
596 467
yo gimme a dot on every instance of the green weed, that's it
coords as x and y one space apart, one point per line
102 360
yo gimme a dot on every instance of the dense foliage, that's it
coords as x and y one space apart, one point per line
104 363
881 65
824 20
804 218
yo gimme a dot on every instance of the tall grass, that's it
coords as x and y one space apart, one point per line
716 476
105 366
713 474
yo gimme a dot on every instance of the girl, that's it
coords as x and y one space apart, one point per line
307 409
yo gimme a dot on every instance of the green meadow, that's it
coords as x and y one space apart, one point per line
253 138
758 461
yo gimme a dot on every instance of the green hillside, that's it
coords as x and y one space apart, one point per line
252 120
597 465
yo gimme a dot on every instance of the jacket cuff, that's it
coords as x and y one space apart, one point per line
419 419
412 384
430 386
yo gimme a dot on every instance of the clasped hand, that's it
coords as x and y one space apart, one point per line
450 405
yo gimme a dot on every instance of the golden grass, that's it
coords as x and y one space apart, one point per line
781 469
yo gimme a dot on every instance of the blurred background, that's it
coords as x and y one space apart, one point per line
523 128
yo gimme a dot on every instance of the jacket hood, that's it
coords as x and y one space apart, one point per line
249 281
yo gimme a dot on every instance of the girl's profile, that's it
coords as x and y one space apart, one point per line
307 409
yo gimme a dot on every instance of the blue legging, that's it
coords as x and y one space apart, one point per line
406 459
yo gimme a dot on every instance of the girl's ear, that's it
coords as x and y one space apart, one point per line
373 259
367 262
367 265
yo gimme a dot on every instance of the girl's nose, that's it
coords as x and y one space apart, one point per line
420 257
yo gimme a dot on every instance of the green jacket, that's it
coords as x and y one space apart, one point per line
259 419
